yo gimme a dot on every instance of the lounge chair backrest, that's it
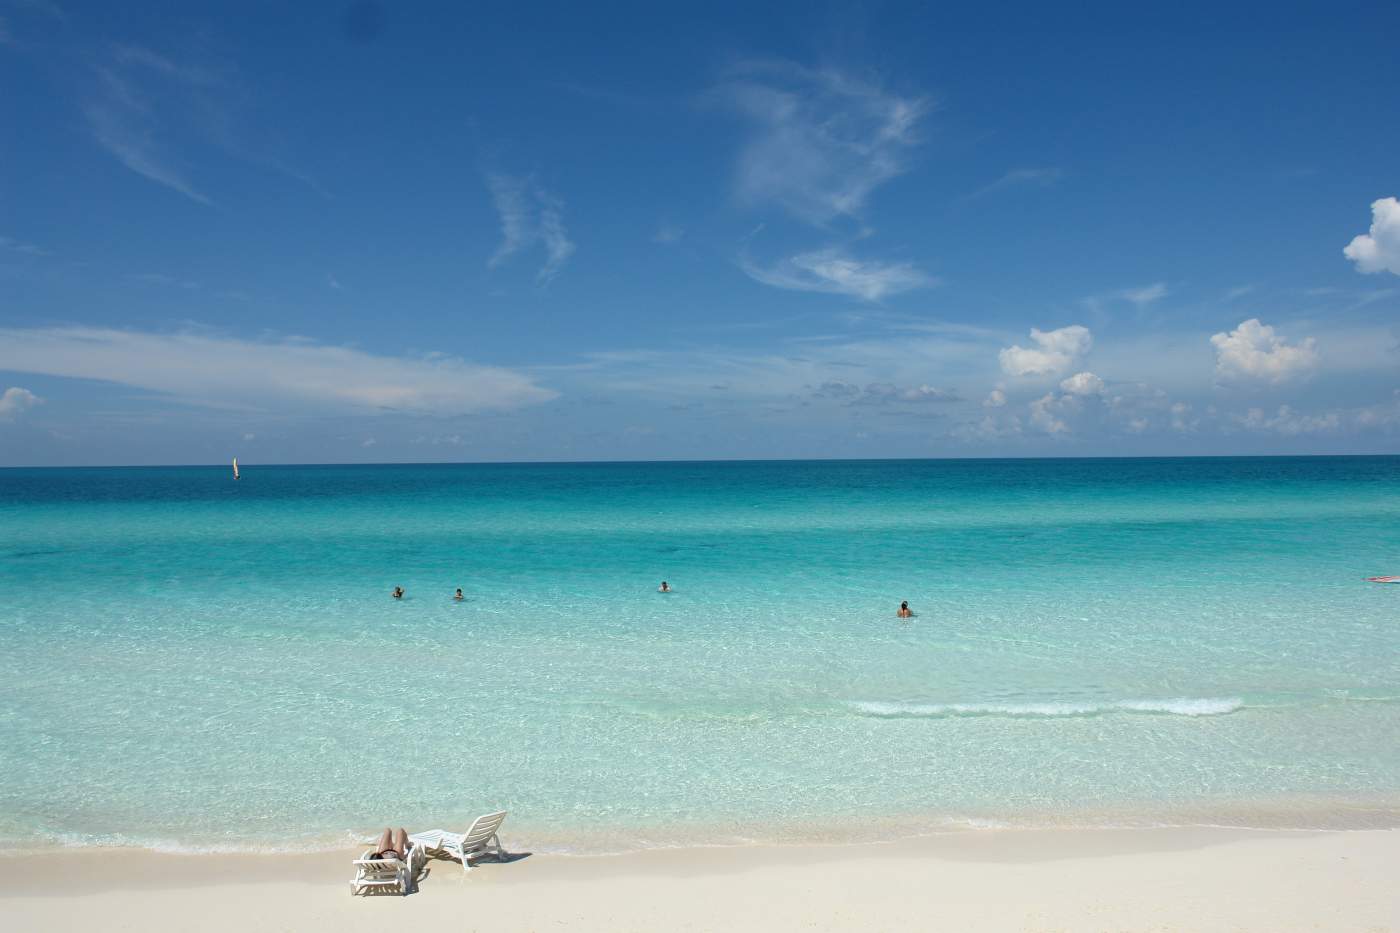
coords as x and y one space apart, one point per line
482 828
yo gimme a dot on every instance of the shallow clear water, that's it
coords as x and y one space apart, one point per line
189 661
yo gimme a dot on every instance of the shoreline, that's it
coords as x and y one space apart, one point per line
1286 814
1128 879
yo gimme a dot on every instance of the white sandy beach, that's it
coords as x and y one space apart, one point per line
1155 879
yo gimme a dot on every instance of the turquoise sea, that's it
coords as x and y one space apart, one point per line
194 663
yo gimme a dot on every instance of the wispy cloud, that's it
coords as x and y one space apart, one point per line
9 244
334 282
145 109
162 280
668 233
833 272
822 140
123 122
1140 297
283 375
1145 295
882 393
529 216
1037 177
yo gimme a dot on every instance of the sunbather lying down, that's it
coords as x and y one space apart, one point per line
393 843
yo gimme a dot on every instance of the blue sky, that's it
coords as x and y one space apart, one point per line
397 232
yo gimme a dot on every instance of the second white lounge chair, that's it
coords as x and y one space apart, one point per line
479 839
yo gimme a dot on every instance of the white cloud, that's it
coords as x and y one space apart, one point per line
249 436
880 393
1040 177
833 272
15 401
1256 351
995 399
823 140
668 233
281 375
1289 422
1378 250
988 429
21 247
529 215
1056 352
1047 413
368 442
1145 295
1181 418
123 122
1083 384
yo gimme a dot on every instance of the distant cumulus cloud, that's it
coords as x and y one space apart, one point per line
287 375
834 272
1255 351
995 399
1082 384
1054 353
823 139
1288 422
529 216
1379 250
1048 413
15 401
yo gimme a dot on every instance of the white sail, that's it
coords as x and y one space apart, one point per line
235 468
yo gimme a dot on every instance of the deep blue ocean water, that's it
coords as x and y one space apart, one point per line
192 662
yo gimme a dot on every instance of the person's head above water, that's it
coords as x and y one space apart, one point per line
459 592
904 604
665 586
398 591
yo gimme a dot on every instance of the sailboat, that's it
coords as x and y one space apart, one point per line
235 468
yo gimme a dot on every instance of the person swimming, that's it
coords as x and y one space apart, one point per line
664 587
398 592
904 611
459 594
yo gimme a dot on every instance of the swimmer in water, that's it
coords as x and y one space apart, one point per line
904 611
664 587
398 592
459 594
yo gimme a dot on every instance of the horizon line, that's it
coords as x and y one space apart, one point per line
444 463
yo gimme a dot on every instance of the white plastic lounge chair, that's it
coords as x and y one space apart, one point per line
387 874
479 839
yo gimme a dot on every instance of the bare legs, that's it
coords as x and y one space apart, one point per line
392 841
